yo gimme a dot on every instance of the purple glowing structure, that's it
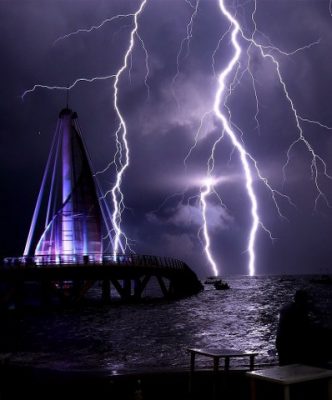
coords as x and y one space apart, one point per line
69 215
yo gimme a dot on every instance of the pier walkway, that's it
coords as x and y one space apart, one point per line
128 274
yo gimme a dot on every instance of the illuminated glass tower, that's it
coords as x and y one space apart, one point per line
68 216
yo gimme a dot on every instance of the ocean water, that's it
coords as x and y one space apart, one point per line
155 334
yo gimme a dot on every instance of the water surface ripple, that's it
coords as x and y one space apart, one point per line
154 335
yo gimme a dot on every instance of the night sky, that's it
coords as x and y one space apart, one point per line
163 117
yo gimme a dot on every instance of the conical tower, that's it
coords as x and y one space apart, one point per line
68 216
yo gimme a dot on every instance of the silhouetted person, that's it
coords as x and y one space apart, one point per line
294 334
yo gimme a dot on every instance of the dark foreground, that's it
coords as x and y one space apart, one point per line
158 385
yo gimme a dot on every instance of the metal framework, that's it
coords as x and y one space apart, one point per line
71 216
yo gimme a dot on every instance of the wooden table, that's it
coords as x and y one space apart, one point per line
289 374
216 355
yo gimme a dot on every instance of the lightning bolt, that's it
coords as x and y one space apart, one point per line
208 188
121 139
233 67
66 88
236 143
121 158
93 27
227 82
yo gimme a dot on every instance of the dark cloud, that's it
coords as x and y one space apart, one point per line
162 126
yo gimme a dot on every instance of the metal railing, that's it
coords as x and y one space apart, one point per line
94 259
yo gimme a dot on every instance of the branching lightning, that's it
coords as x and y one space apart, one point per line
228 130
92 28
204 193
228 80
121 140
77 81
209 181
233 68
121 158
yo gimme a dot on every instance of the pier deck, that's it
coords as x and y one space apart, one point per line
128 274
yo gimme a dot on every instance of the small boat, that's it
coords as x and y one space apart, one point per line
221 285
211 280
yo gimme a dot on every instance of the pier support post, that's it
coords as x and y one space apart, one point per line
137 288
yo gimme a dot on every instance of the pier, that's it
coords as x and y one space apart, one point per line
72 276
71 228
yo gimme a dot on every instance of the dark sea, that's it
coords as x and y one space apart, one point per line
155 334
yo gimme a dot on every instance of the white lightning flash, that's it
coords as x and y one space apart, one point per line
121 139
233 67
236 143
315 158
77 81
94 27
208 187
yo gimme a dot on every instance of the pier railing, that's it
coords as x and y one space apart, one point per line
126 274
91 259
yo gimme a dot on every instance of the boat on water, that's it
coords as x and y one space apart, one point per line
211 280
221 285
217 282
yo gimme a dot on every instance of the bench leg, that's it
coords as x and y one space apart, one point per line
253 389
286 392
191 373
252 363
215 377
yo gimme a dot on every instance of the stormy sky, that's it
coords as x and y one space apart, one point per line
163 98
